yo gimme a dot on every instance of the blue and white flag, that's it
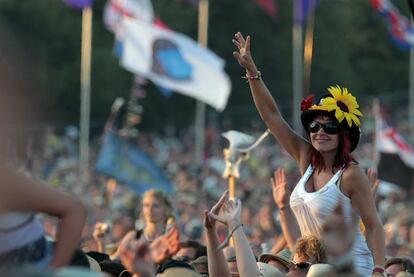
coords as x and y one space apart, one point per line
174 61
129 165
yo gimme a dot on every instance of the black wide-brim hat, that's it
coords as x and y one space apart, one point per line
308 115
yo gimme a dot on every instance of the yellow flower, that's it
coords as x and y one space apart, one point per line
344 105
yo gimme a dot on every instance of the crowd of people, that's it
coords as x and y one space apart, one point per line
303 206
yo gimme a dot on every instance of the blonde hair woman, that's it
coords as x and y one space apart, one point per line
156 213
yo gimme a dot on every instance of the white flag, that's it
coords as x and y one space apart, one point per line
116 10
174 61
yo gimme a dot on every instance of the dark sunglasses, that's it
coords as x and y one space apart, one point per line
331 128
302 266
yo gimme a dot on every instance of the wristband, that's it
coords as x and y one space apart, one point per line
379 269
258 76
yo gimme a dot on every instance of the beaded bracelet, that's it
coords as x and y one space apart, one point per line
258 76
378 269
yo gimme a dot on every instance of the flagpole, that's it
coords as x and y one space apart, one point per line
411 89
308 50
85 81
297 44
375 150
203 6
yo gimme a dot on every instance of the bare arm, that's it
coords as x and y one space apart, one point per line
217 265
356 183
279 245
19 193
246 262
281 196
294 144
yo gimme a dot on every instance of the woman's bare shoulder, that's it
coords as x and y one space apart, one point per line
354 178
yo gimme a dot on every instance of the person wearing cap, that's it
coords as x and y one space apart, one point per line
329 172
201 265
280 260
267 270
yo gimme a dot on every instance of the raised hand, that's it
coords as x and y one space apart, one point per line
210 222
128 251
243 55
373 180
139 256
230 215
165 246
280 189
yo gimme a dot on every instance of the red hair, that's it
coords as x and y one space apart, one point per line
343 157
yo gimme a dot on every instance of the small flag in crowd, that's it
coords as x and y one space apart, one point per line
129 165
174 61
78 4
268 6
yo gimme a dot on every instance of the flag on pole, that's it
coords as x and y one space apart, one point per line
396 155
175 61
78 4
390 141
399 26
116 10
129 165
268 6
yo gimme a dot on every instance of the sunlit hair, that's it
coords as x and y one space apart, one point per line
162 198
311 247
343 157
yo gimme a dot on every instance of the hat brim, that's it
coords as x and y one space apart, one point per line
354 132
265 258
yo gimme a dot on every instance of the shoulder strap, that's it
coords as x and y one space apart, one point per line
338 177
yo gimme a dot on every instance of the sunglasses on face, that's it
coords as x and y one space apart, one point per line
302 266
331 128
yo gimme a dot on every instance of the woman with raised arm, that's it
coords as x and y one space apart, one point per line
328 169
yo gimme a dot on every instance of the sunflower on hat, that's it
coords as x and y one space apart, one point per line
343 103
339 104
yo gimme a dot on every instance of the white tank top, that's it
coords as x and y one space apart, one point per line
311 208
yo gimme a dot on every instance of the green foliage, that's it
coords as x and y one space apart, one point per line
351 48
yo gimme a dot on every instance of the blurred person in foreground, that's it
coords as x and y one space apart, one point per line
22 239
329 172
